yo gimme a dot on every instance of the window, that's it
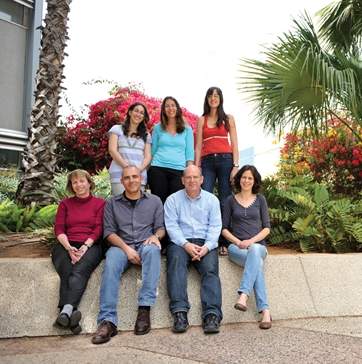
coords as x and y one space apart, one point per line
15 12
9 158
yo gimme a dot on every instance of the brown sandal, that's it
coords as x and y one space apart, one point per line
240 307
223 251
266 324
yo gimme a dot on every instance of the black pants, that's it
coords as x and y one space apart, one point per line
164 181
74 277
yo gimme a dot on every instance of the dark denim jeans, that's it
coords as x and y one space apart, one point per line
178 262
218 166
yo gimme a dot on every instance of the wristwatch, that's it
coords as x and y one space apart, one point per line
236 165
87 245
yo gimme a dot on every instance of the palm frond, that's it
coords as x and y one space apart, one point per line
341 25
299 82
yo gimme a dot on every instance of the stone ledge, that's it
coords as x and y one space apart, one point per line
299 286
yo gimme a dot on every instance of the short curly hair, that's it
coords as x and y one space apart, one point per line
79 173
257 178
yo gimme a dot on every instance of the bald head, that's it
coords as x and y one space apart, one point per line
192 180
192 169
131 167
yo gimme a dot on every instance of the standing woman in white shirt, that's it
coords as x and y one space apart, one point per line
129 143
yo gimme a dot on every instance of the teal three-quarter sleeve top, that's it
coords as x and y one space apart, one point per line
172 151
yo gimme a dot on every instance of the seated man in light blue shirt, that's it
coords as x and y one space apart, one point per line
193 222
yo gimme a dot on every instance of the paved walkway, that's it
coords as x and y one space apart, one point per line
317 340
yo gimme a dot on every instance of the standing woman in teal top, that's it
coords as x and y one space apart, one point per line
172 150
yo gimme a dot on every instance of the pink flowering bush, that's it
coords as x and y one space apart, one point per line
84 143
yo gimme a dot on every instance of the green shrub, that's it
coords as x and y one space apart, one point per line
304 213
27 219
8 186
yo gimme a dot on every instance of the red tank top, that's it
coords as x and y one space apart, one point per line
214 140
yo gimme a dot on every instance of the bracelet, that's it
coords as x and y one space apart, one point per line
88 247
236 165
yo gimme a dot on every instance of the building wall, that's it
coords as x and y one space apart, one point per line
19 58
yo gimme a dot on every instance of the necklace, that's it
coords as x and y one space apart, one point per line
245 204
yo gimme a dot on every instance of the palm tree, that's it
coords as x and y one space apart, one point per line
309 77
39 158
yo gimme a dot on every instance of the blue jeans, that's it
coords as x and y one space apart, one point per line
178 261
116 263
217 166
252 260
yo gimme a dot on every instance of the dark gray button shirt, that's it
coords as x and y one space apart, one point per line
133 224
245 223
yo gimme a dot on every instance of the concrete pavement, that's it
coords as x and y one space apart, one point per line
315 340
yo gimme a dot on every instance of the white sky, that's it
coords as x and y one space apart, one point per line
177 48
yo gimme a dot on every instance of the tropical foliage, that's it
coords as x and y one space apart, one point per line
85 141
309 75
303 212
8 186
40 158
14 218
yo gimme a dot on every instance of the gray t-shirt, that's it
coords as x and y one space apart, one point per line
246 222
134 224
131 149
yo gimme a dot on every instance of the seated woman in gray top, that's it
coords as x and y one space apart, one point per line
246 224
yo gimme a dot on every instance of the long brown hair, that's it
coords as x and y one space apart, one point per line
180 122
222 117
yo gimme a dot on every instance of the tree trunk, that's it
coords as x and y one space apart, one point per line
39 157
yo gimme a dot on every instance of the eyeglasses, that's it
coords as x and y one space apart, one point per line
190 178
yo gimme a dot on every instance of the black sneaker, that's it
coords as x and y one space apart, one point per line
62 321
76 330
180 323
211 324
75 318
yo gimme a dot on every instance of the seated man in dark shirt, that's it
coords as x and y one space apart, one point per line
133 225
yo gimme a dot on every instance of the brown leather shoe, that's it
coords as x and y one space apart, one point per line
104 332
143 322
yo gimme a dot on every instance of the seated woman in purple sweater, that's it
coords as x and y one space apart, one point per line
246 224
78 228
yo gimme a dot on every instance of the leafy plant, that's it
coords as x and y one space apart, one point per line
306 214
307 77
14 218
8 186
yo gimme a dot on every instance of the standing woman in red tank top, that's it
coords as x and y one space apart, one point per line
217 148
